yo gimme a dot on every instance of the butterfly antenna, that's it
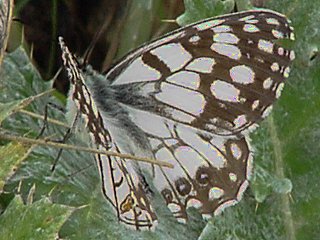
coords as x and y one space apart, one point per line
94 41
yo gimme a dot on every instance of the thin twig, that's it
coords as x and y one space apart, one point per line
84 149
25 102
38 116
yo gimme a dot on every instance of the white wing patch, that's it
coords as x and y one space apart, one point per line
173 55
175 96
229 38
182 117
272 21
251 28
208 152
222 29
225 91
203 65
227 50
242 74
140 71
186 79
266 46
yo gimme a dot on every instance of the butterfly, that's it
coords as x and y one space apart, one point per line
190 97
6 7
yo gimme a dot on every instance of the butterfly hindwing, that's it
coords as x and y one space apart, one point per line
210 171
121 185
218 180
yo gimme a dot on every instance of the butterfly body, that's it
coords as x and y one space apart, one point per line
189 98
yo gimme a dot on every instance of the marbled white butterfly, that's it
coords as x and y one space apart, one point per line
190 97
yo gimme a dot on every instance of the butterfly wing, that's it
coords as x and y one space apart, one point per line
191 97
221 75
210 172
125 189
121 184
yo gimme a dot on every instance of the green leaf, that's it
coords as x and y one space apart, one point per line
6 109
40 220
243 5
265 183
137 30
196 10
11 155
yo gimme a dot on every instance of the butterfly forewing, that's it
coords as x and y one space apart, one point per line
121 184
220 75
191 98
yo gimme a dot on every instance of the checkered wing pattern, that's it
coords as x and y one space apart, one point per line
191 97
220 75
